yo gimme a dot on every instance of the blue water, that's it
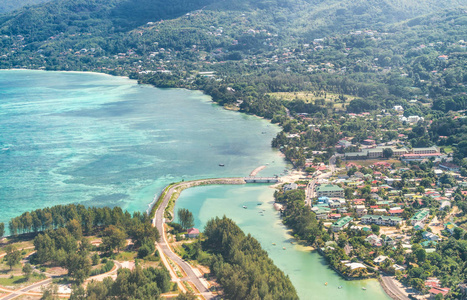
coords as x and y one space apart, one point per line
104 141
307 270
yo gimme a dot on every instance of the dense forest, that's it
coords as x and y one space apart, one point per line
62 237
10 5
242 267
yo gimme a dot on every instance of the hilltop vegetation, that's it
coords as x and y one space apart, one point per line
10 5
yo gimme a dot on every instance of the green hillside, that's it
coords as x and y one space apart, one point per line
302 18
10 5
378 52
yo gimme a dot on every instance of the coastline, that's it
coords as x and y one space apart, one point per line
388 291
154 202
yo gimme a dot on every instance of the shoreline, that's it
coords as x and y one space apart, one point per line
155 200
387 290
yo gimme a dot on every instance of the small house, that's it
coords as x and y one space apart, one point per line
192 233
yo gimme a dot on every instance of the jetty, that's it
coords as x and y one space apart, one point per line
257 170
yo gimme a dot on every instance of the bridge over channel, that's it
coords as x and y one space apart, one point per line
253 179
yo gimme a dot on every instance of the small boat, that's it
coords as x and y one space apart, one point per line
283 248
258 203
244 207
340 286
326 284
273 244
221 165
364 288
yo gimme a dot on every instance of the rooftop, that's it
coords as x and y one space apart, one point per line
382 217
342 221
420 215
329 188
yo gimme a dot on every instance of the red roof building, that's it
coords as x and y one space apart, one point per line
193 232
437 290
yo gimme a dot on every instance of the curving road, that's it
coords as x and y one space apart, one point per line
394 291
193 275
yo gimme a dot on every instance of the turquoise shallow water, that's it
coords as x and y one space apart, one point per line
101 140
307 270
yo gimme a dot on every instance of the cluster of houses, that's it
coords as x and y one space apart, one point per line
405 154
332 204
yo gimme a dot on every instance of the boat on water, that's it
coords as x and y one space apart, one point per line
283 248
244 207
364 288
273 244
221 165
340 286
258 203
326 284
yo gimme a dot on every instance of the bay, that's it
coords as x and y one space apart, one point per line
100 140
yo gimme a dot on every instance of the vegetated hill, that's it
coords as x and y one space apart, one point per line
10 5
101 17
287 18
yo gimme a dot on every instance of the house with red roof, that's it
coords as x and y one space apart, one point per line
437 290
192 233
395 212
358 201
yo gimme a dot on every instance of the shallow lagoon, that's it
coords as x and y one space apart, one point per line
101 140
307 269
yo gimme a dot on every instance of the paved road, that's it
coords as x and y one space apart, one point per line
393 288
310 190
26 289
159 220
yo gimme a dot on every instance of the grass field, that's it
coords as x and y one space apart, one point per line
309 96
448 149
18 281
19 246
125 256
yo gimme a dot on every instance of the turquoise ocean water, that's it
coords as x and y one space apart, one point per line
100 140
